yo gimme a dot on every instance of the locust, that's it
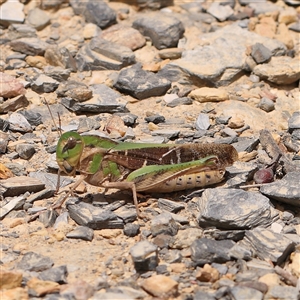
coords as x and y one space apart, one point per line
142 167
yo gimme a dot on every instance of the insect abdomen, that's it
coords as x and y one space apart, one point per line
185 182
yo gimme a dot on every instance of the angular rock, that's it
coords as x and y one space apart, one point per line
11 12
294 121
206 251
81 232
57 73
19 185
44 84
90 216
170 206
180 101
32 261
29 46
163 223
18 122
164 30
125 36
14 104
266 104
285 190
57 274
33 118
280 70
260 53
61 57
131 229
16 31
99 13
144 256
161 286
202 122
269 245
39 287
219 11
10 87
234 209
141 84
25 151
104 99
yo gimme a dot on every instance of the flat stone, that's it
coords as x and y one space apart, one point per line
19 185
202 122
32 261
81 232
206 251
207 94
170 206
44 84
264 7
125 36
14 104
242 292
29 46
160 286
17 31
219 11
17 122
93 217
25 151
269 245
104 99
141 84
234 209
280 70
61 57
170 53
285 190
10 87
164 30
294 121
56 274
12 12
282 292
40 287
260 53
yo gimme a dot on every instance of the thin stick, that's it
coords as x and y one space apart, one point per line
252 185
286 275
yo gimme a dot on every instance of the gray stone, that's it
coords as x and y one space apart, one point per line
206 251
166 133
164 30
234 209
57 73
221 61
141 84
242 292
260 53
163 223
12 12
105 99
156 119
14 104
269 245
266 104
282 292
29 46
38 18
16 186
170 206
234 235
295 26
285 190
246 144
131 229
180 101
33 118
202 122
219 11
57 274
25 151
280 70
44 84
4 138
99 13
18 122
15 203
201 295
35 262
81 232
17 31
294 121
93 217
263 7
47 217
144 256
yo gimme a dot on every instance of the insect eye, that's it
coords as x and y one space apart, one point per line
70 144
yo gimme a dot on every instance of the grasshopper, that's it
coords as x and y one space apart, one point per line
142 167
